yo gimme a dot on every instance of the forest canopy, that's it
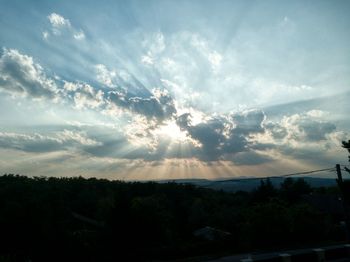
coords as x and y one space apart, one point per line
96 220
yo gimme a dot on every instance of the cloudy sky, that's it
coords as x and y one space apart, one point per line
173 89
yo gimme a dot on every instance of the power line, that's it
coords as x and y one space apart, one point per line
280 176
309 172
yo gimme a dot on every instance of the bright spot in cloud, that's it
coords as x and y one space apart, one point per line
173 131
166 86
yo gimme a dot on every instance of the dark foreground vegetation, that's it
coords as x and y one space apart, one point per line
77 219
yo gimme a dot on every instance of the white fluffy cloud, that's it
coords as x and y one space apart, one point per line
84 95
303 127
57 21
61 25
307 136
244 137
20 75
105 76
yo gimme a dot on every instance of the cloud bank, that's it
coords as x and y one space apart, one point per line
247 137
249 91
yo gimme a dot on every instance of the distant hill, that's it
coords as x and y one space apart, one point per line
248 184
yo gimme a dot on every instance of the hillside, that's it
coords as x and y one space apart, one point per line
65 219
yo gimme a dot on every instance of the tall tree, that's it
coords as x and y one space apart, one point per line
346 145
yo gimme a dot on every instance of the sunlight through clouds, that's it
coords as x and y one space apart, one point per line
175 94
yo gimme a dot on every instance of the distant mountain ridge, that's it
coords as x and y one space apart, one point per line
248 184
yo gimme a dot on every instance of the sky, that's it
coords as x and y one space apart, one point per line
148 90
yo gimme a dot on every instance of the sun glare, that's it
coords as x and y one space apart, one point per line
173 131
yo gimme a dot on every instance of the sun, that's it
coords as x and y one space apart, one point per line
172 130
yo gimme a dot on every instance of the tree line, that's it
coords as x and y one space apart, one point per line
75 219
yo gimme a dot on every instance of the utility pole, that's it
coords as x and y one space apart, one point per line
340 178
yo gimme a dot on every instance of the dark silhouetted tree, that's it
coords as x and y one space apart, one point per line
265 191
346 145
292 189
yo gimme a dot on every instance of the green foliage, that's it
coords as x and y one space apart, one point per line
60 219
265 191
291 189
346 145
